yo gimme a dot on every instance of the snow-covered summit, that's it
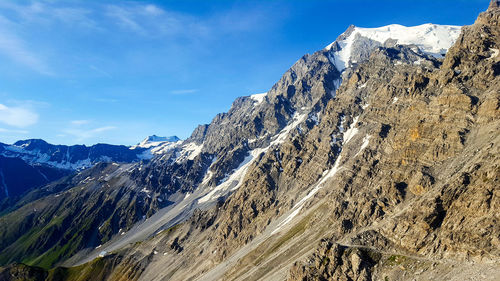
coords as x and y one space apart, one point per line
155 140
431 39
154 145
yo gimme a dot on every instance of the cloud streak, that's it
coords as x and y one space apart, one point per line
17 116
15 48
183 92
176 29
3 130
79 122
84 134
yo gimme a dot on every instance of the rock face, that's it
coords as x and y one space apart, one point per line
398 178
384 167
442 168
494 4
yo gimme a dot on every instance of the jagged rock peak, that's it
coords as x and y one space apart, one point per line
346 33
494 4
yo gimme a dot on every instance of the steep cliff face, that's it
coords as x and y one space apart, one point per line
115 203
441 159
392 174
397 179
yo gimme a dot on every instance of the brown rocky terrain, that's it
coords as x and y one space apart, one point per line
396 176
424 189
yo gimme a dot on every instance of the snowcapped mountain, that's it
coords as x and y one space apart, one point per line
353 45
39 152
154 145
358 156
155 140
216 160
31 163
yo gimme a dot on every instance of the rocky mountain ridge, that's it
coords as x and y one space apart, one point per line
75 157
32 163
385 170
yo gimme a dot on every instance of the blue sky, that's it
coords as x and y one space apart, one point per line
117 71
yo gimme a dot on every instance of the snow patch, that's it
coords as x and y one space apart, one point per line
418 62
103 254
145 190
351 132
315 118
327 174
154 140
155 148
250 141
366 141
296 120
234 181
37 157
494 54
189 152
208 176
296 209
259 98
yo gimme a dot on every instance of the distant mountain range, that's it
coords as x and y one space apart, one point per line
34 162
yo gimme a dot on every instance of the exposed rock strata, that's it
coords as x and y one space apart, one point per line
394 176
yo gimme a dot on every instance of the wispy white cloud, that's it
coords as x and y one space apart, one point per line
105 100
46 13
9 131
103 129
22 17
125 17
17 116
151 20
75 17
79 122
153 10
175 29
29 103
183 92
82 134
16 49
100 70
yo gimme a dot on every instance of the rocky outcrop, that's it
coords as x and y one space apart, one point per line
402 162
494 4
337 262
440 154
392 175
